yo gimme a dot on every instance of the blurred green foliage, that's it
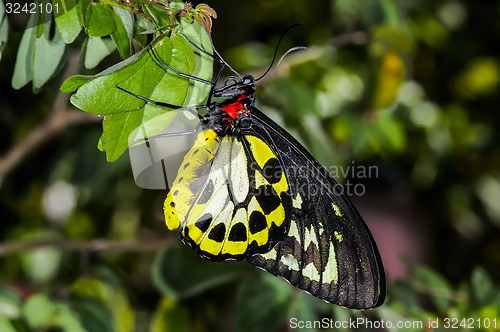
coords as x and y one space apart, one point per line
409 86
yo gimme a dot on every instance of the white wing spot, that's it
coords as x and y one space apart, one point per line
239 173
311 272
308 238
294 232
272 255
297 202
290 261
331 274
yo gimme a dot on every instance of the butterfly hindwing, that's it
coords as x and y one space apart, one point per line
329 251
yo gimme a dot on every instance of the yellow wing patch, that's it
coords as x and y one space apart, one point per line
260 150
196 163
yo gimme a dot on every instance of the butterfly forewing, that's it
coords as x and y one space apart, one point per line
229 208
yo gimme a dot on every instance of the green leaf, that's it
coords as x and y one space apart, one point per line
127 20
341 314
74 82
263 299
179 273
41 313
144 77
299 100
9 304
389 133
157 15
170 316
22 69
85 5
97 49
38 311
41 265
6 326
123 32
140 76
141 27
112 298
4 28
91 288
198 91
304 307
93 315
99 20
100 144
41 19
67 320
482 287
318 141
406 293
181 45
177 5
435 285
117 129
68 19
48 57
361 136
172 87
389 315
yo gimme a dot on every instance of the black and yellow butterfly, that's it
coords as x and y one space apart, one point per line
247 190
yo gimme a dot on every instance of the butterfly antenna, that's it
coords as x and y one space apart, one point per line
176 72
281 59
223 61
212 89
216 56
276 52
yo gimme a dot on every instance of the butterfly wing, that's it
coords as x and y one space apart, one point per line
227 206
328 251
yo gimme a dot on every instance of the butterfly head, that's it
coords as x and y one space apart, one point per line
234 86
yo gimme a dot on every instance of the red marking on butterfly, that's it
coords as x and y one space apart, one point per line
235 108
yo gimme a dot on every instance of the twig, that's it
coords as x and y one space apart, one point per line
50 128
348 38
90 246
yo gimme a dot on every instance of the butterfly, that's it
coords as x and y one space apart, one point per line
248 190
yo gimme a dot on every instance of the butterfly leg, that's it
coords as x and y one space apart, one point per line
177 72
216 56
182 133
159 103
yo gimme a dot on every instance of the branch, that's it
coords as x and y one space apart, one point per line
89 246
351 38
56 123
